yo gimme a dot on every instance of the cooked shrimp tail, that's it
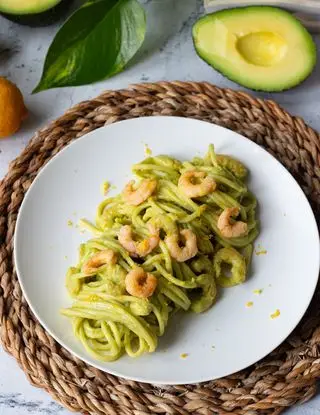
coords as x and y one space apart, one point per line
189 250
137 196
140 284
104 257
228 229
136 248
196 183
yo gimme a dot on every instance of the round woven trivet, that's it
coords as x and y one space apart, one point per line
286 376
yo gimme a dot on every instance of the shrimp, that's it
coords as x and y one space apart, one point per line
137 196
136 248
104 257
196 183
231 230
140 283
189 250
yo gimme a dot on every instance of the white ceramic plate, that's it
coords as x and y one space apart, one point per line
223 340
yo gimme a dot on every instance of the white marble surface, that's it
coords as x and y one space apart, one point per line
167 55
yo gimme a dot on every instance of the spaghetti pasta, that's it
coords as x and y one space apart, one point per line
185 262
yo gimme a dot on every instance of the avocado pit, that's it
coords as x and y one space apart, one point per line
262 48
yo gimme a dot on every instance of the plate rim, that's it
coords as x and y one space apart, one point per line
96 363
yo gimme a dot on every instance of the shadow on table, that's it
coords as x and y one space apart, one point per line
32 122
7 51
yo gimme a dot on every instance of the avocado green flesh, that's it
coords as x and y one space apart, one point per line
259 47
34 12
26 6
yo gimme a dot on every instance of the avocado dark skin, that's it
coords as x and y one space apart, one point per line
45 18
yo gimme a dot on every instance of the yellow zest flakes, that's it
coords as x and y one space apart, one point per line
260 250
275 314
143 245
93 298
263 252
147 150
258 292
184 355
202 208
249 304
70 223
104 188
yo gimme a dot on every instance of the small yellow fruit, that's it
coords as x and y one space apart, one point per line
12 108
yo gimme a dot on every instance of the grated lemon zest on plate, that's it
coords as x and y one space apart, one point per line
275 314
147 150
104 188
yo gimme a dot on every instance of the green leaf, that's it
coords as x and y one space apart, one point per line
97 41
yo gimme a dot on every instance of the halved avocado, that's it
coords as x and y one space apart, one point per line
34 12
260 47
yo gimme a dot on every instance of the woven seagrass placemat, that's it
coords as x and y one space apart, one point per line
285 377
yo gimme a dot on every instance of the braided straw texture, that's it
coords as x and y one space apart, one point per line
287 376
